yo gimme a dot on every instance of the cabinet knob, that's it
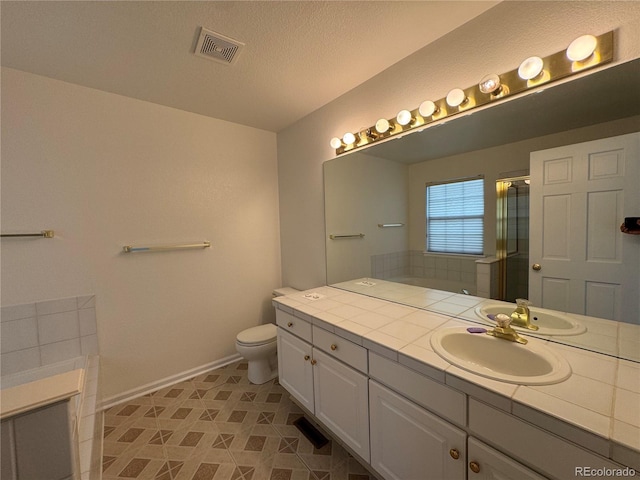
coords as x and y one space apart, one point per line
334 346
306 357
313 361
455 454
290 324
474 467
537 267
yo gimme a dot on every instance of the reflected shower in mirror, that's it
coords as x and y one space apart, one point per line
385 185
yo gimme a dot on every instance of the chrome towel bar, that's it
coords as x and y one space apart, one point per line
355 235
162 248
42 234
388 225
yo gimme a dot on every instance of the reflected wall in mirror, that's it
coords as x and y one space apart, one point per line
385 184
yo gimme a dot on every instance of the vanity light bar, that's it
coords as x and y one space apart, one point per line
584 53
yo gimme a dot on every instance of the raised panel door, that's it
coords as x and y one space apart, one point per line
294 368
409 443
341 401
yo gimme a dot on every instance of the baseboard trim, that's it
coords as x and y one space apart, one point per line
165 382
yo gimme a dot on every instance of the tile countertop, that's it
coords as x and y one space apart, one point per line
598 406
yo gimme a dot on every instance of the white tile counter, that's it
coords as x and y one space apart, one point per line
597 407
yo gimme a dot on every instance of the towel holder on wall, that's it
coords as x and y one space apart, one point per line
390 225
163 248
354 235
42 234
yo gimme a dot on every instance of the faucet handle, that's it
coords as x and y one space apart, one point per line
523 302
503 320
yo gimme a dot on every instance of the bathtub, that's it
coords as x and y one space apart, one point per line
50 427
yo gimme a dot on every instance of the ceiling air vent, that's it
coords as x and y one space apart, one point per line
215 46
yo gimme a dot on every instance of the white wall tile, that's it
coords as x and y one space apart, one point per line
86 301
44 456
56 306
59 351
89 345
16 312
87 321
20 360
19 334
58 326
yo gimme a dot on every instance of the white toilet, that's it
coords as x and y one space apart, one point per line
258 346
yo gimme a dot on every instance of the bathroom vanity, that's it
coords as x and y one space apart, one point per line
365 370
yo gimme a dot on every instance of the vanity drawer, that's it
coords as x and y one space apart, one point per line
294 325
344 350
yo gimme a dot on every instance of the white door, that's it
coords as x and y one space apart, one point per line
342 402
295 372
409 443
485 463
580 195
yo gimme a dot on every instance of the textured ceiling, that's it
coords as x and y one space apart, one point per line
298 55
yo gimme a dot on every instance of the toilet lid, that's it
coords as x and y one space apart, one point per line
258 335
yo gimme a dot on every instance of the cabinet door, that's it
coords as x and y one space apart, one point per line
485 463
294 368
341 401
409 443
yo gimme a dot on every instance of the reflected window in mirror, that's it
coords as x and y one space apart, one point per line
455 216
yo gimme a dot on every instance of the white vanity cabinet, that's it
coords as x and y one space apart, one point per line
341 401
485 463
334 392
408 442
294 368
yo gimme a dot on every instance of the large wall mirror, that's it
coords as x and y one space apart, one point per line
376 215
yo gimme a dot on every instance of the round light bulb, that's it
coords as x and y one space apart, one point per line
348 138
335 142
404 117
456 97
582 48
490 84
382 125
530 68
427 108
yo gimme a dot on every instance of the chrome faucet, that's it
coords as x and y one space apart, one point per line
503 330
521 316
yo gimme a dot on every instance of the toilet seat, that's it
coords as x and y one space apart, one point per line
260 335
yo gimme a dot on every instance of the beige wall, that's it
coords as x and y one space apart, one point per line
105 171
496 41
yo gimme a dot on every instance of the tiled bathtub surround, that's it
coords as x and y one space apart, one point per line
41 333
446 272
217 426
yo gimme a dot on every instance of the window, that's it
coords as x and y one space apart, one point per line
455 217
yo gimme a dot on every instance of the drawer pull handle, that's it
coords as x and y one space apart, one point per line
455 454
290 324
334 346
474 467
306 357
313 361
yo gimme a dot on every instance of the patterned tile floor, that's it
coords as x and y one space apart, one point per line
218 426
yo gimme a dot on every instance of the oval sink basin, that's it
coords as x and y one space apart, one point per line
548 321
499 359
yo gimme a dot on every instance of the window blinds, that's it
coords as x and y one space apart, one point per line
455 217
